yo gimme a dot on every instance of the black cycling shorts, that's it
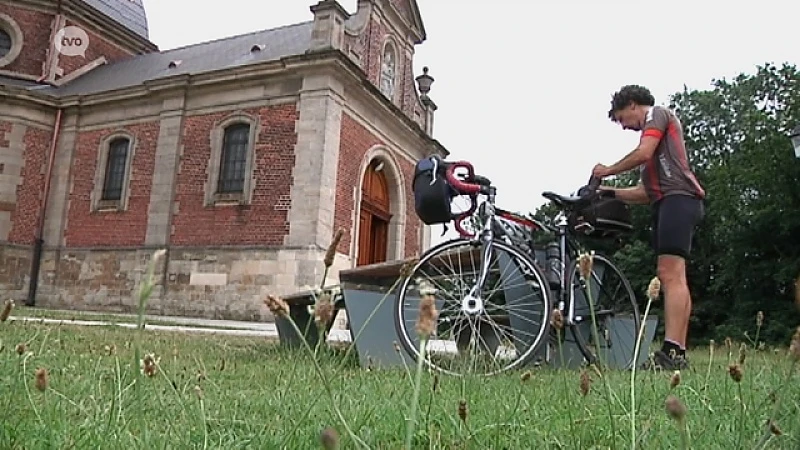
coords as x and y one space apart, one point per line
675 218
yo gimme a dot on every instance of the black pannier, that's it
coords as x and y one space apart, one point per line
602 217
432 193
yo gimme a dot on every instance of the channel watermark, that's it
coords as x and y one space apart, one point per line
71 41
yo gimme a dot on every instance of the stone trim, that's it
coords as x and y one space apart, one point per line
97 202
397 202
10 26
212 197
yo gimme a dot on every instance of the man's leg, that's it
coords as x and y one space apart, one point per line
676 221
677 299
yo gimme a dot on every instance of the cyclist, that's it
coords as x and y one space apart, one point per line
668 184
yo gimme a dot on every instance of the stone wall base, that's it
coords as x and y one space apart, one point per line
212 283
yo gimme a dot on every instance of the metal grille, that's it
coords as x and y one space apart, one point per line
234 158
115 169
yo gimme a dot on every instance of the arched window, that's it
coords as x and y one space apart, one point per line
233 161
116 165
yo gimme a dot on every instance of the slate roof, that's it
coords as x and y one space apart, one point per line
128 13
194 59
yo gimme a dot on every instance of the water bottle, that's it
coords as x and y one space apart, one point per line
553 263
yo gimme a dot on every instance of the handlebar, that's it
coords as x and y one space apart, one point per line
469 186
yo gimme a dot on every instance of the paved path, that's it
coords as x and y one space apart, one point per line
177 323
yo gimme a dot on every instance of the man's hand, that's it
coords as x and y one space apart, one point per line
601 171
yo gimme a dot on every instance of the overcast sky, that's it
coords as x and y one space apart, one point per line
523 87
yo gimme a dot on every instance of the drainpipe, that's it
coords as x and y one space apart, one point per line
38 242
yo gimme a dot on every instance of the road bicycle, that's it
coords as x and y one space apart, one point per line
495 293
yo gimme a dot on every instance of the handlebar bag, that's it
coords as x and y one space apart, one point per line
432 193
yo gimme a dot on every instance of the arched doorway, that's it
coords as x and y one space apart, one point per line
374 216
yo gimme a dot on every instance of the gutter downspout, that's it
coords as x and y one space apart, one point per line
38 242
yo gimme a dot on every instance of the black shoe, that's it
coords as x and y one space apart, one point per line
661 361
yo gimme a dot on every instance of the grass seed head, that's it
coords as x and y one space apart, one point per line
426 322
774 429
526 376
654 289
323 313
21 348
675 379
759 318
331 253
557 319
675 408
585 262
41 379
198 391
463 410
794 347
277 306
586 383
7 307
329 438
149 364
735 371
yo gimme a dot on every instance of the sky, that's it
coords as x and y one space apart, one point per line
524 87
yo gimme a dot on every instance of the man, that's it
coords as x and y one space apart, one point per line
668 184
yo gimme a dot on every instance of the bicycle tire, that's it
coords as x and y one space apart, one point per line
584 335
407 334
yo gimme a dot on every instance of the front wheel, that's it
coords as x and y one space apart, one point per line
485 331
616 314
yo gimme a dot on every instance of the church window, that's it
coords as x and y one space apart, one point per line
113 172
234 158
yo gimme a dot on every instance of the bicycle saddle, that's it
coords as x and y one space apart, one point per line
563 200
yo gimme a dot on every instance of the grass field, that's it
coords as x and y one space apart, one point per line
232 392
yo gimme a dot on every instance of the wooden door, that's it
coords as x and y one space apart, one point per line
374 217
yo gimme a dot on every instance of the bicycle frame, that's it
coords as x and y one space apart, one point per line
488 214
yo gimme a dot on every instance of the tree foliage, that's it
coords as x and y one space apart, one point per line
746 252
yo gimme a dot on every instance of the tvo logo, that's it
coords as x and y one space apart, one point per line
71 41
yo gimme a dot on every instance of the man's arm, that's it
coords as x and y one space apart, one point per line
654 130
633 195
642 154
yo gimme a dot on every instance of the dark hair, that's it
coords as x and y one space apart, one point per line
631 93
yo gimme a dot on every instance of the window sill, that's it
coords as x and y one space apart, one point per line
108 206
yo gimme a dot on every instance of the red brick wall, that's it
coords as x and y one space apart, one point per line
355 141
264 221
35 28
97 47
29 191
111 228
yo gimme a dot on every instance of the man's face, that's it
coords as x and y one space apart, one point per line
630 117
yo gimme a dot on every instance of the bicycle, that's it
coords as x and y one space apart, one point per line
473 329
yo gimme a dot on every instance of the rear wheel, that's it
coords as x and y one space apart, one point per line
498 328
615 309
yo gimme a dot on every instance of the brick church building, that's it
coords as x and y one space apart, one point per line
240 156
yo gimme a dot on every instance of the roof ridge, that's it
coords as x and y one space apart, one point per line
176 49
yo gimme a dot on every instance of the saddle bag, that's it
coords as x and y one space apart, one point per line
602 217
